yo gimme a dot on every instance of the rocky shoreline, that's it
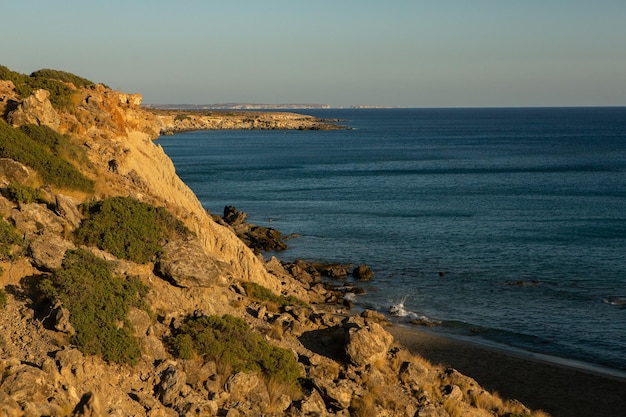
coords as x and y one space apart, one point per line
197 271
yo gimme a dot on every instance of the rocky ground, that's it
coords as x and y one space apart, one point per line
350 365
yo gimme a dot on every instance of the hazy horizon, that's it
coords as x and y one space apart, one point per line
415 54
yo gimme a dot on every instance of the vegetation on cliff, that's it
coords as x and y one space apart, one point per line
230 342
128 228
44 150
265 295
9 240
56 82
98 304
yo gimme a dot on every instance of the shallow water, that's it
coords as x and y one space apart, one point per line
507 225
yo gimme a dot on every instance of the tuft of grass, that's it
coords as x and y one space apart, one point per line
98 304
229 342
36 153
128 228
262 294
10 240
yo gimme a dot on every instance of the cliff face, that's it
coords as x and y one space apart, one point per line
351 365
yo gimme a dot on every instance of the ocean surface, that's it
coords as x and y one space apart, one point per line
508 226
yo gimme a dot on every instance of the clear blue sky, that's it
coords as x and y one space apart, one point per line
431 53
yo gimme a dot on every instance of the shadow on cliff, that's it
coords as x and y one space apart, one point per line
329 342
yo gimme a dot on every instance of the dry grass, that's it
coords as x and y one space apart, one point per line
276 391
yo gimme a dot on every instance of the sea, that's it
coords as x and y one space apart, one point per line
502 226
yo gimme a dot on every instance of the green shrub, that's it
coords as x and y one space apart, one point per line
53 169
127 228
3 298
229 341
58 144
22 193
9 238
263 294
62 76
47 79
98 304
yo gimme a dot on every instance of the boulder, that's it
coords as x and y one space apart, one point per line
48 250
239 385
172 383
366 343
362 273
234 217
61 317
35 109
89 406
13 171
67 208
186 264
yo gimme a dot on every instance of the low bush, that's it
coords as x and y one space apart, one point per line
19 193
128 228
262 294
37 154
98 304
9 240
58 144
52 80
228 341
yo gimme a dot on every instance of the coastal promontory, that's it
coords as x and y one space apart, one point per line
121 295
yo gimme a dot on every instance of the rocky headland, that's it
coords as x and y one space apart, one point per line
172 120
121 296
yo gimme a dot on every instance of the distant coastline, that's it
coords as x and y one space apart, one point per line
256 106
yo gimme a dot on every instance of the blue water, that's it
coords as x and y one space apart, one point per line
488 196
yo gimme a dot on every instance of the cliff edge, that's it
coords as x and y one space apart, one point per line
122 296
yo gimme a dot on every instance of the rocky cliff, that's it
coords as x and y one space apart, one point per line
347 365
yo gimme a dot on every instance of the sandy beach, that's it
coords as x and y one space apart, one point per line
559 390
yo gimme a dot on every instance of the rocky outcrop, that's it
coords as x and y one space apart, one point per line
258 238
186 264
35 109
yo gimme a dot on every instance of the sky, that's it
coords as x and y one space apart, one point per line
408 53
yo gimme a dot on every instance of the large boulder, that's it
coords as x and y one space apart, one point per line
366 342
48 250
186 264
35 109
13 171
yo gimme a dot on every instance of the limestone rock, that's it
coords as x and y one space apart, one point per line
313 405
8 96
61 317
186 264
241 384
48 250
35 109
366 343
362 273
35 219
67 207
171 385
13 171
89 406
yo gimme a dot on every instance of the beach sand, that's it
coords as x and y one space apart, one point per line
559 390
